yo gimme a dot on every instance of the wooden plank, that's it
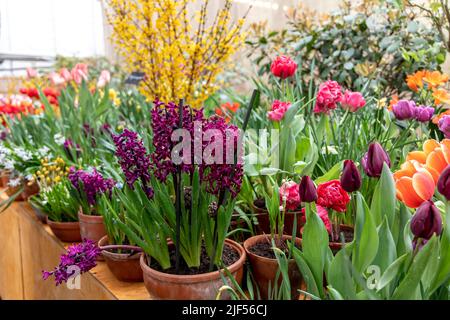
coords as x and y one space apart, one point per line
11 282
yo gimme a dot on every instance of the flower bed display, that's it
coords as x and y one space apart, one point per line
301 190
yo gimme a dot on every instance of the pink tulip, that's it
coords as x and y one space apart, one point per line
104 79
278 110
79 73
31 73
353 101
283 67
56 79
290 195
328 96
65 74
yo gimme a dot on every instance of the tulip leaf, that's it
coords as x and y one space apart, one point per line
307 274
334 293
384 197
332 174
407 289
386 249
391 272
339 276
315 245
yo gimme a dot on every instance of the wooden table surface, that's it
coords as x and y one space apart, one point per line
27 247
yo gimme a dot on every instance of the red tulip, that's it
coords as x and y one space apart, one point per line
443 184
373 160
283 67
307 190
331 195
426 221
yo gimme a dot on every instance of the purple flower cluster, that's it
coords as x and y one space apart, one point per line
133 159
80 258
93 183
407 109
223 175
165 119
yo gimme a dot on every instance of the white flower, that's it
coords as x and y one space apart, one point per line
23 154
9 165
59 139
43 152
14 182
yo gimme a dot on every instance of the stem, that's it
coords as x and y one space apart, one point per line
177 181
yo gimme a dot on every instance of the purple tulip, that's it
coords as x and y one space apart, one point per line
372 161
350 178
307 190
426 221
404 109
444 126
443 184
424 113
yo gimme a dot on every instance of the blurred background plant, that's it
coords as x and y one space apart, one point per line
372 41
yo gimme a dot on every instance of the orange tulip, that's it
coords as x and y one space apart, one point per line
435 78
414 81
441 96
413 191
393 102
418 175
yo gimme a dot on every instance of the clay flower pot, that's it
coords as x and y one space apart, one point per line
204 286
92 227
28 191
65 231
263 226
123 266
265 270
348 230
4 178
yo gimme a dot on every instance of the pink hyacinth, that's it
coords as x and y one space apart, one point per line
353 101
278 110
328 96
289 194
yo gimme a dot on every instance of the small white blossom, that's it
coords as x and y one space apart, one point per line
59 139
43 152
14 182
23 154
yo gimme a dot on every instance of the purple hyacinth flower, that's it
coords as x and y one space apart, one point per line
404 109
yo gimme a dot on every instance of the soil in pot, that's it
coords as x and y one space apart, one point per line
348 232
264 265
122 261
92 227
65 231
195 283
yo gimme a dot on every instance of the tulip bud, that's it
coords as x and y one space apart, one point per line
373 160
426 221
443 184
350 178
307 190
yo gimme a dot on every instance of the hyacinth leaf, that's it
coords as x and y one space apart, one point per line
384 197
339 276
284 292
386 248
392 272
315 245
307 274
407 288
331 174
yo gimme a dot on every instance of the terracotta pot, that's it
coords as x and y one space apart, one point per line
4 179
204 286
265 270
263 226
39 214
91 227
336 246
65 231
28 191
123 266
